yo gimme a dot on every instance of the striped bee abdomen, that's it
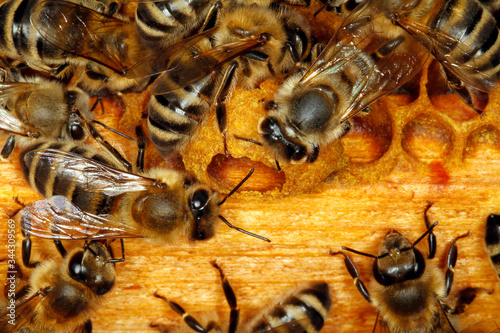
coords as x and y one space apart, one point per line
311 302
48 175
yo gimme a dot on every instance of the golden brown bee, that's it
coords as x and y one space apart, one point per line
247 44
493 240
380 46
89 196
491 325
39 108
407 289
54 36
303 309
62 295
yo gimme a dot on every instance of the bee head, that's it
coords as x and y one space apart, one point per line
90 266
397 260
285 143
203 207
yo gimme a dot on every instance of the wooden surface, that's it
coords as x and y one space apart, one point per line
350 208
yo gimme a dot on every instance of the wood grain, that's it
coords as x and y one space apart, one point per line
348 209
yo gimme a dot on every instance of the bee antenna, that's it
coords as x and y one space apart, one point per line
112 130
242 230
360 253
87 247
248 140
424 234
321 9
237 187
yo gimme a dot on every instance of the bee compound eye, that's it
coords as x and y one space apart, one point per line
198 203
76 270
76 131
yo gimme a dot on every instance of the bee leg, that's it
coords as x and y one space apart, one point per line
211 19
451 260
8 147
474 98
122 259
141 144
108 147
431 238
353 271
26 251
231 299
463 298
220 99
87 327
190 321
60 247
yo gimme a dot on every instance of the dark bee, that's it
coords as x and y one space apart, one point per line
62 295
409 290
493 240
303 309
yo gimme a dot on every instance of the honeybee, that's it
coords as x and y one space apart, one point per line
62 294
247 44
89 196
408 290
493 240
361 63
491 325
303 309
461 35
35 107
55 36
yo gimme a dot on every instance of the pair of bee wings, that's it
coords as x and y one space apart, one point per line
81 31
58 218
369 28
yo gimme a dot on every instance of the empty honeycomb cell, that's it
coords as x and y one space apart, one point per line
444 98
370 136
484 141
428 138
229 171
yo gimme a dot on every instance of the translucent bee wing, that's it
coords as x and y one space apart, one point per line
23 313
57 218
181 64
10 89
296 326
491 325
79 30
442 46
360 35
91 175
11 124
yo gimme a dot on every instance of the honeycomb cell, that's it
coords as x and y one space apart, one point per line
229 171
484 141
428 138
444 98
370 136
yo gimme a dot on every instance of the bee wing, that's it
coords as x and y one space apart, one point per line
296 326
79 30
386 60
57 218
91 175
11 124
8 122
23 313
491 325
442 46
182 64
